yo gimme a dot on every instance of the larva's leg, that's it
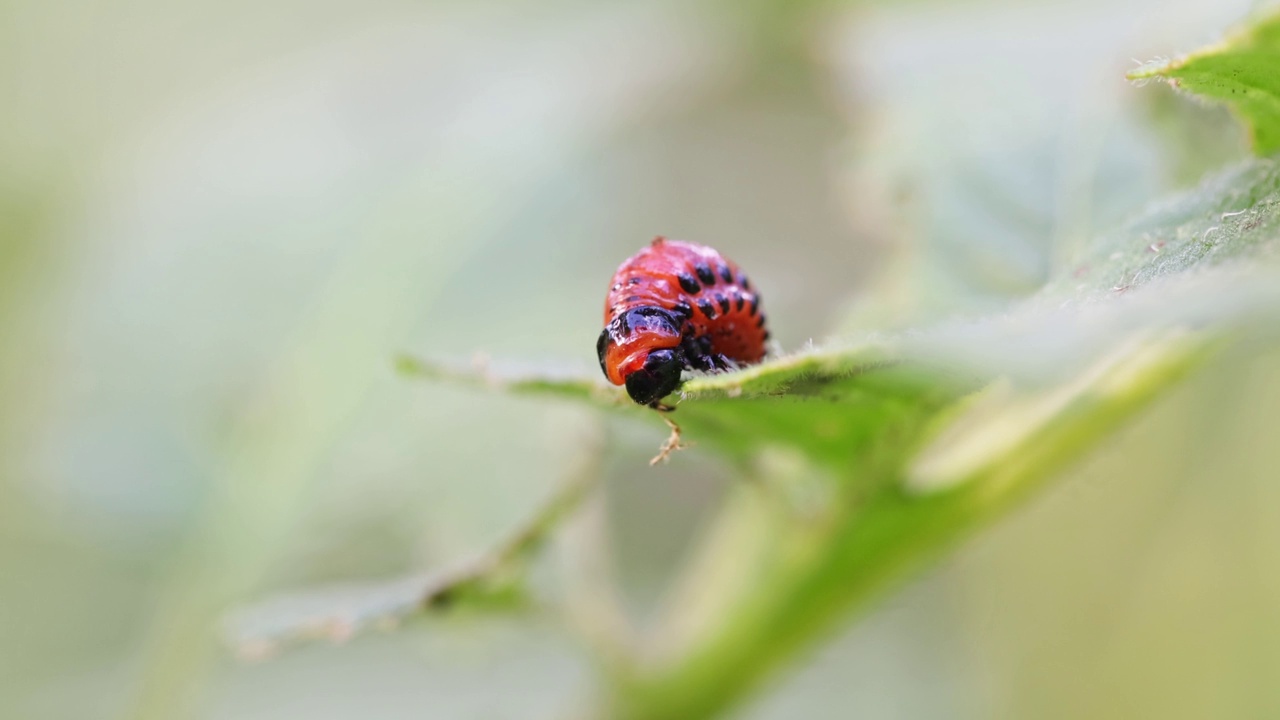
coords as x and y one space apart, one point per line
720 363
696 355
671 445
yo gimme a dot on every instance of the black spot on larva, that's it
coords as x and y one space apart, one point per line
766 336
741 301
683 310
724 303
705 274
634 281
760 321
726 273
707 309
755 304
743 281
689 285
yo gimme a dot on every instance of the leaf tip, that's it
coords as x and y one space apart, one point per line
1152 70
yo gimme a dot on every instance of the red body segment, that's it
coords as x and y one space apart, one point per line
685 298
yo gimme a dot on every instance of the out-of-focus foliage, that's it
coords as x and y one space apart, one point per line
1240 71
221 222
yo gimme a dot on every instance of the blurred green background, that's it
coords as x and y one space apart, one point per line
220 222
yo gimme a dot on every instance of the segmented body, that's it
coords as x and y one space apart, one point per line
683 298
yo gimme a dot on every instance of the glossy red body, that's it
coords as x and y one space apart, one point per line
710 311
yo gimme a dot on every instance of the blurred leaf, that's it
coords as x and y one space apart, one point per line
981 188
801 568
1240 71
493 579
1231 216
873 458
568 383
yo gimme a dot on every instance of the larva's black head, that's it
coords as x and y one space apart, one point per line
639 348
658 378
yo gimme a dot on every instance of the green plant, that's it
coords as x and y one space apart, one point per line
868 457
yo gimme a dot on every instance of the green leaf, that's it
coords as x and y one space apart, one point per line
874 457
806 569
572 384
1242 71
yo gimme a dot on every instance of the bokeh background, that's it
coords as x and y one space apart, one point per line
221 222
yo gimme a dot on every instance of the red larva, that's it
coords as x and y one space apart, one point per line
675 306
